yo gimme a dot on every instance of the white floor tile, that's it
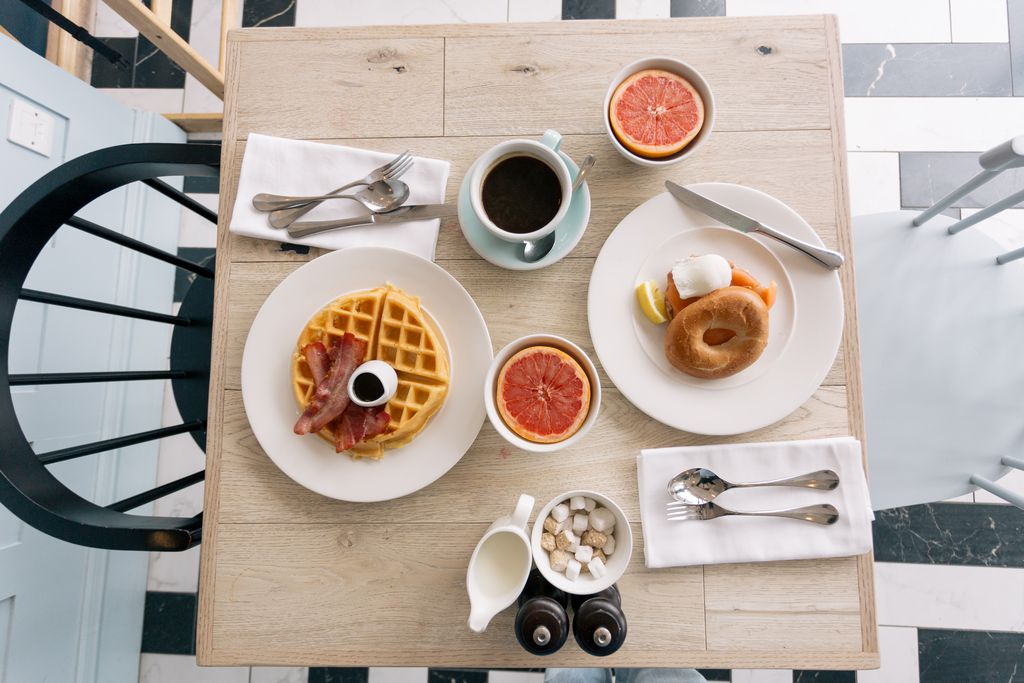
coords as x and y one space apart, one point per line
183 668
275 674
333 13
534 10
978 21
109 24
950 596
204 37
864 21
898 647
397 675
874 182
160 100
642 9
1006 228
174 572
515 677
931 124
762 676
195 230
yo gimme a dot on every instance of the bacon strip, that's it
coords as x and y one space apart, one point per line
318 359
357 424
331 396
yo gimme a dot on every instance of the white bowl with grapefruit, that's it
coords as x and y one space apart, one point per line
542 393
658 111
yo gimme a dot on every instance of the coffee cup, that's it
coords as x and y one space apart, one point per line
521 189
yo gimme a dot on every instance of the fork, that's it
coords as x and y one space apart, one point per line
819 514
289 208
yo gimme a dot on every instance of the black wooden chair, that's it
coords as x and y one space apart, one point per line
27 488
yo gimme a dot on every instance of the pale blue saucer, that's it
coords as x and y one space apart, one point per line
506 254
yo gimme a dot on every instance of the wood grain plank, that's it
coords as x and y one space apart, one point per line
776 605
397 597
325 89
553 300
491 470
794 166
559 81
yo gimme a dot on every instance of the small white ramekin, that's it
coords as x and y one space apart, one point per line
585 584
677 67
492 376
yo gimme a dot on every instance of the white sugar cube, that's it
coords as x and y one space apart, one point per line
596 568
579 523
602 519
589 504
564 525
560 512
576 503
584 554
575 545
572 569
609 545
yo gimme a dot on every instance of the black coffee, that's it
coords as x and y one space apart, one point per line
521 194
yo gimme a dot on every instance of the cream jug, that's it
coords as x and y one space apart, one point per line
499 566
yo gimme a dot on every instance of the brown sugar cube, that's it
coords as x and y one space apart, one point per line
559 560
595 539
551 526
564 540
547 541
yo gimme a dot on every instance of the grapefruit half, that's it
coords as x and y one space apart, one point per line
543 394
655 113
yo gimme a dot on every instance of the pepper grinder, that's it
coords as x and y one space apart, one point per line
598 623
542 622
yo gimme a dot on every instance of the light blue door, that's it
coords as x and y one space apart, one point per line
68 613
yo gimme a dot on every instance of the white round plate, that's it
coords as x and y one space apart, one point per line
801 347
266 375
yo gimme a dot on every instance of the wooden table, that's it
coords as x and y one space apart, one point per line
291 578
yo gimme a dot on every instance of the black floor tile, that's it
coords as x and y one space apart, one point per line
588 9
698 8
825 677
270 13
715 675
154 69
106 74
1015 17
456 676
969 656
338 675
950 533
169 623
927 70
926 177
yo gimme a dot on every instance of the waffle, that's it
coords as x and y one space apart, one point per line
396 331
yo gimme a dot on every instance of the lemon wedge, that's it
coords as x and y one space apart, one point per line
652 302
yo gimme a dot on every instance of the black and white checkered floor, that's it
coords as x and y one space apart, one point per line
921 75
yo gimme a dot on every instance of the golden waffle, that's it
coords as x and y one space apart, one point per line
397 332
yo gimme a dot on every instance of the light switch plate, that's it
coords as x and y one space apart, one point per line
31 127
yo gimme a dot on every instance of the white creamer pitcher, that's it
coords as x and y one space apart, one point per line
499 566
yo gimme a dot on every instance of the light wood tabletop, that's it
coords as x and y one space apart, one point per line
292 578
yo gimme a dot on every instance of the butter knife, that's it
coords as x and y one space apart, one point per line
734 219
400 215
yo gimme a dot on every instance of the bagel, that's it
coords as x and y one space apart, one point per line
736 309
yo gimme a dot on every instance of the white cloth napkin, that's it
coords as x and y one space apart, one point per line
297 167
747 539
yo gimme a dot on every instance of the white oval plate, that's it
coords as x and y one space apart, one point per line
801 347
266 375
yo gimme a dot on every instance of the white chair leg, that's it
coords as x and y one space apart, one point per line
998 490
1004 203
1015 463
938 207
1010 256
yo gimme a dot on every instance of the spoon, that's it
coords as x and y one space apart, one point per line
378 197
533 251
700 485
